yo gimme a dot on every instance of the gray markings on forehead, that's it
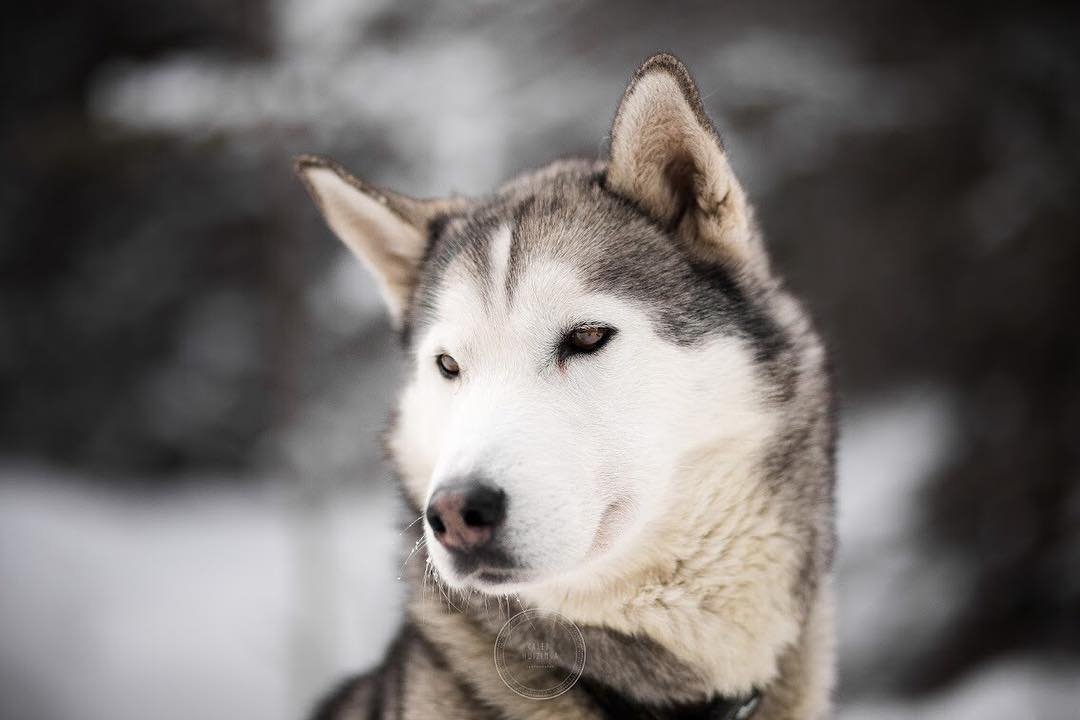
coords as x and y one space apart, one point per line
478 247
517 247
458 239
498 266
618 250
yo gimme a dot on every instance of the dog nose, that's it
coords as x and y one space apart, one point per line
464 517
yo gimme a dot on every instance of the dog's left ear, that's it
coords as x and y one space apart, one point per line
386 230
668 159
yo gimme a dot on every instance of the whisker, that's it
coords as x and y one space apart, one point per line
413 522
419 544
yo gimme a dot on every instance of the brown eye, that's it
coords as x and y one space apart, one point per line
447 366
585 339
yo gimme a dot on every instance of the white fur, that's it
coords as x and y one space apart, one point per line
672 436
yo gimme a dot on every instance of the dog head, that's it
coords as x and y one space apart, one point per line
573 340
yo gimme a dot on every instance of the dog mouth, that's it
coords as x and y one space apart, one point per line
486 567
501 580
487 559
496 576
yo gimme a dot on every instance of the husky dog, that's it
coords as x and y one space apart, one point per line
615 413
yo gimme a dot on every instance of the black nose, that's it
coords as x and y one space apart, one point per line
464 517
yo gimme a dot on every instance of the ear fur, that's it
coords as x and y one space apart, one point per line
386 230
667 158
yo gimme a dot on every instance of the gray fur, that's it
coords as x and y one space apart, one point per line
618 248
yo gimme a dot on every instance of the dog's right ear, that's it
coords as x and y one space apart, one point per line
386 230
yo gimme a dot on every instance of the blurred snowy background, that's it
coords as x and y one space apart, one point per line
194 517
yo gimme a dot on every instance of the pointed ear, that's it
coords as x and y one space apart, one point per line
667 157
388 231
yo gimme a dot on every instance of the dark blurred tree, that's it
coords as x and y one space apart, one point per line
107 241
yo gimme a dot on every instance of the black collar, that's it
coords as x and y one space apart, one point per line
613 704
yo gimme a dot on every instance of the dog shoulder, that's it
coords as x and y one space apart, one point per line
353 697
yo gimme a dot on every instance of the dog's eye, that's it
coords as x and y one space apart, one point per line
587 339
447 366
584 339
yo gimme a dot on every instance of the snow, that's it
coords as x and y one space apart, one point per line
214 602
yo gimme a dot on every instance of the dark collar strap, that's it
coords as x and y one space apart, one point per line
614 704
743 709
